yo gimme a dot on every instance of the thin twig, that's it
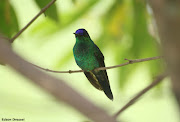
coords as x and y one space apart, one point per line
23 29
130 62
103 68
48 70
134 99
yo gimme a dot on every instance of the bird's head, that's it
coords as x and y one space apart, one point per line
81 33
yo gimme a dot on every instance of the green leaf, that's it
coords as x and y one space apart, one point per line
140 33
130 37
51 11
8 21
72 16
144 44
46 27
74 1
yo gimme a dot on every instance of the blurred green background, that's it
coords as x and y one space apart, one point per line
121 28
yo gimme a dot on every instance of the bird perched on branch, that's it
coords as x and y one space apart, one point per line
89 57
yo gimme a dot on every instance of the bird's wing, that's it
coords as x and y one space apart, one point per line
101 75
100 58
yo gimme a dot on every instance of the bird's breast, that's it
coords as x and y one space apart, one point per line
85 58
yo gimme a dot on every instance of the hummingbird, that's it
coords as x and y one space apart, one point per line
89 57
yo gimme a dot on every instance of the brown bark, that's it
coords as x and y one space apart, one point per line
167 16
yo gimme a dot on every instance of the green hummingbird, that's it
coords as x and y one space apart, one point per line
89 57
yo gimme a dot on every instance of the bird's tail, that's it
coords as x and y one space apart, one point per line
104 82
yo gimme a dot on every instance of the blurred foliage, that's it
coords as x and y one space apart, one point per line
125 30
47 27
51 11
8 20
126 26
9 23
62 61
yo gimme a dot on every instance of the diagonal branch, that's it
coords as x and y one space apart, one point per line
103 68
23 29
134 99
56 87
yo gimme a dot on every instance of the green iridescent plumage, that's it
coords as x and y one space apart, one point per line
88 57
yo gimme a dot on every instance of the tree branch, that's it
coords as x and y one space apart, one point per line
23 29
52 85
103 68
134 99
167 16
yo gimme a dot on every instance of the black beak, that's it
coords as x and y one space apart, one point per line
76 34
